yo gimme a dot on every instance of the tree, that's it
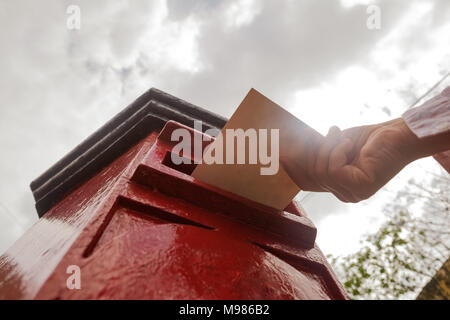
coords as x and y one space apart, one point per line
403 255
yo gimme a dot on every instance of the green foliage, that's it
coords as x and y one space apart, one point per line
400 258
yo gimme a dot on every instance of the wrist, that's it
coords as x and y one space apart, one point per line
416 148
409 146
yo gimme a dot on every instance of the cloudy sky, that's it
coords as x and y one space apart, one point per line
316 58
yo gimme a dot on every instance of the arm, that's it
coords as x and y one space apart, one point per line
425 146
355 163
432 119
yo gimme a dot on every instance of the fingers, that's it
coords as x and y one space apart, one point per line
329 165
340 155
352 176
302 179
298 158
333 156
321 169
339 158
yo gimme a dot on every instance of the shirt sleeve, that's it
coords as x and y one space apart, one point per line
432 118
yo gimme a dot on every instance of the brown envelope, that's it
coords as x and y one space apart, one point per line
295 137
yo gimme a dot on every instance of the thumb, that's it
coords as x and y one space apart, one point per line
340 155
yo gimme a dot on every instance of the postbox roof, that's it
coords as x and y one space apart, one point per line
147 114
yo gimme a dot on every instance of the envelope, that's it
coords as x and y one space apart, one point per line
257 180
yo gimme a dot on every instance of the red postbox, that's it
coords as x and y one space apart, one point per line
136 226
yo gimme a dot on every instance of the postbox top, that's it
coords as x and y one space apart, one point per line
148 113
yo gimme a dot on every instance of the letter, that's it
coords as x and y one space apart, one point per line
263 146
210 310
74 281
192 310
181 152
213 132
74 19
198 142
214 152
274 158
241 136
374 20
182 311
203 310
228 311
258 309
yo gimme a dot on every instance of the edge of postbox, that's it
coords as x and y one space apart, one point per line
154 108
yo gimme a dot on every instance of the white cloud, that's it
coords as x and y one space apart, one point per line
403 64
174 45
353 98
352 3
317 58
241 13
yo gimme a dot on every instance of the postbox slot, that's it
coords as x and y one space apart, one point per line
187 166
293 228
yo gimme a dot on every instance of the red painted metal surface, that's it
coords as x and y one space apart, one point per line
145 229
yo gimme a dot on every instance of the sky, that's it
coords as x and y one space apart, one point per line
317 58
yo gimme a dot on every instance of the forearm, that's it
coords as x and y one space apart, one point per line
429 129
415 147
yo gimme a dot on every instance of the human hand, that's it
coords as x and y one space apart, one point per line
355 163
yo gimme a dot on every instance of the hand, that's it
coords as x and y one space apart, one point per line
355 163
